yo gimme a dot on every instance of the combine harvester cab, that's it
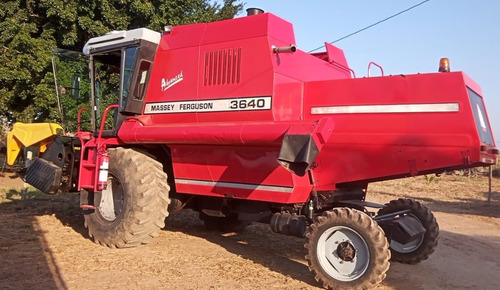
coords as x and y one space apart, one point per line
231 120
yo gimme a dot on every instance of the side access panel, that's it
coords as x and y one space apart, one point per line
251 173
396 126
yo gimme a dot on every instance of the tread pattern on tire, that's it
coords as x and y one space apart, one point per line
146 201
371 233
429 222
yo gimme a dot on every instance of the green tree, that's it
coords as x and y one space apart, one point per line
31 30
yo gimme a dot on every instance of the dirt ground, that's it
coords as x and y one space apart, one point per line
44 245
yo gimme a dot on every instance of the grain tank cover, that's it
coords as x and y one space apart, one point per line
120 38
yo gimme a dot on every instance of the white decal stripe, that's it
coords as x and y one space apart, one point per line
235 185
406 108
217 105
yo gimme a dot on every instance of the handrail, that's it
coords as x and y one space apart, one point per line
79 119
353 74
103 121
347 69
377 65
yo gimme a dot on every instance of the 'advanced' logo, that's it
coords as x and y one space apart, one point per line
167 84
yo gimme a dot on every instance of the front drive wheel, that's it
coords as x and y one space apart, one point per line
134 206
420 249
347 250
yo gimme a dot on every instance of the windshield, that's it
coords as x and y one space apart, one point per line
106 80
109 85
130 55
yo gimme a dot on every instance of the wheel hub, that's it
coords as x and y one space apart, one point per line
111 203
346 251
343 253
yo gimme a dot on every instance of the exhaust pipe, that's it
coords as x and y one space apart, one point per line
290 49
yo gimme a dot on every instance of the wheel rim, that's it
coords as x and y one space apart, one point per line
343 253
112 199
408 247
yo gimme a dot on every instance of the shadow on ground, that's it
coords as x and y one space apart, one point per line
279 253
26 261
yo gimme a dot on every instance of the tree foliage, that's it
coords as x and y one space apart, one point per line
31 30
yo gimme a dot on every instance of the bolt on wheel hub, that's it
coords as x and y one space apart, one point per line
346 251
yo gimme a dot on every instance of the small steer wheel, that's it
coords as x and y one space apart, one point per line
347 250
134 205
420 249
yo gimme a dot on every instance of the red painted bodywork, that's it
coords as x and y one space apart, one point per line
234 153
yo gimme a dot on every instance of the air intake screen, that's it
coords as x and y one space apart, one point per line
222 67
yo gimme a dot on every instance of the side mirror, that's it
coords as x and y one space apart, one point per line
75 86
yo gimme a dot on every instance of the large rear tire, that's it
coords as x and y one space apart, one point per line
134 206
347 250
418 250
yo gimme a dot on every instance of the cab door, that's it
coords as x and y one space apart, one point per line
137 64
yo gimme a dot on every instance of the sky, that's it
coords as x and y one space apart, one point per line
467 32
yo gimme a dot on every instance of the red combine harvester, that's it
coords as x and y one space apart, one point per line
231 120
